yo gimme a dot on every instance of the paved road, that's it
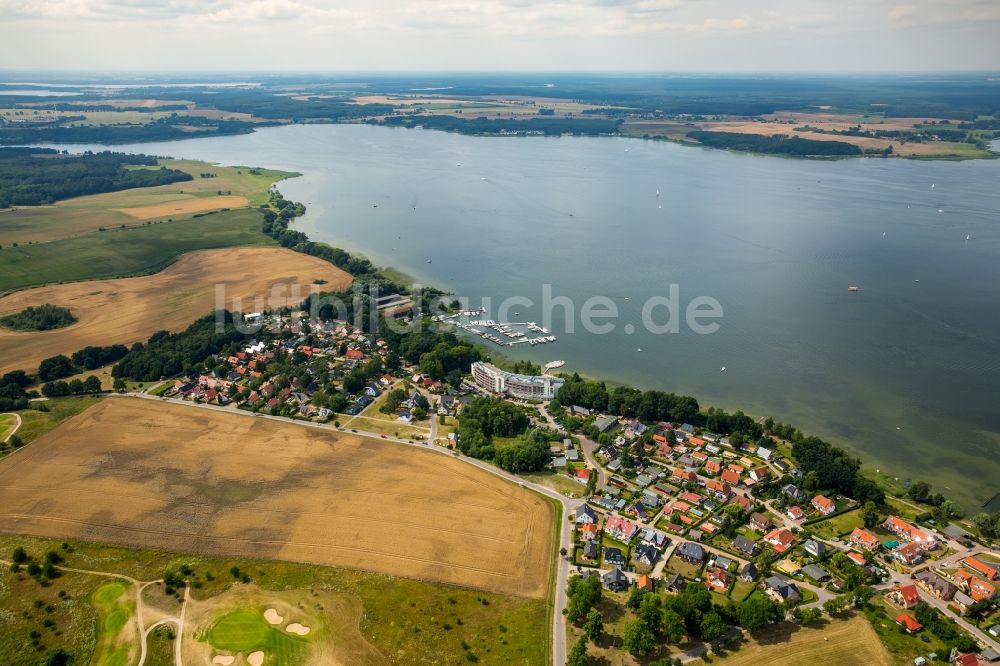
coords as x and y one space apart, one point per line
568 505
587 446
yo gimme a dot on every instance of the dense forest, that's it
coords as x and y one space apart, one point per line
31 177
546 126
38 318
163 129
774 145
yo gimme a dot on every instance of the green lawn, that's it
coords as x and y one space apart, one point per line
114 610
246 630
838 525
125 252
35 423
6 425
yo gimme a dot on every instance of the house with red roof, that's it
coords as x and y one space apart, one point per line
824 504
796 513
589 531
712 467
905 596
717 579
781 539
720 488
759 474
582 474
691 498
743 501
909 553
731 477
968 659
980 567
620 528
684 476
857 558
908 622
905 530
864 539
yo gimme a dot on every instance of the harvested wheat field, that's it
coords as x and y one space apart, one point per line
849 642
127 310
152 474
185 207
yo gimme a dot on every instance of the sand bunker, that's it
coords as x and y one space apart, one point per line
255 658
272 616
297 629
223 659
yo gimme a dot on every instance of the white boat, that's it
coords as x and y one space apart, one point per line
723 369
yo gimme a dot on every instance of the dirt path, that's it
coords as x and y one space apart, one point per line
17 424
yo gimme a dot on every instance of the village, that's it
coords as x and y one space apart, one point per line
696 511
689 509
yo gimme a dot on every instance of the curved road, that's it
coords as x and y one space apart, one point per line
17 424
568 505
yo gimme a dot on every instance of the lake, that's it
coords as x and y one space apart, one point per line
905 371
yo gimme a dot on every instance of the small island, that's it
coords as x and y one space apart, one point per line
41 318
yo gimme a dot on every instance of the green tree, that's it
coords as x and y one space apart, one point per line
870 514
578 655
711 626
651 612
637 638
20 556
583 593
92 384
594 626
756 613
672 626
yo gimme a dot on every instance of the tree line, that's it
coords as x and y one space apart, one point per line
542 125
39 318
43 176
779 144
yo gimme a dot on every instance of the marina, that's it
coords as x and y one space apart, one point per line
511 332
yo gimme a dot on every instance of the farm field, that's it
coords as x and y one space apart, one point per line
232 485
125 252
849 642
128 310
228 187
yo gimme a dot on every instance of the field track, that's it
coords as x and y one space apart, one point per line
153 475
126 310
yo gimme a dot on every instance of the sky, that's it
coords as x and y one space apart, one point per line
501 35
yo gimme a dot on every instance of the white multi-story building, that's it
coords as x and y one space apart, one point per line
527 387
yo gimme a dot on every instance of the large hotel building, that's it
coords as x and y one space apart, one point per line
527 387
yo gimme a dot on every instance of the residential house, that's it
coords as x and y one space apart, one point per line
674 583
793 492
968 659
857 558
655 538
646 554
904 595
764 453
749 572
712 467
620 528
760 522
816 572
731 477
936 585
781 589
780 539
721 489
613 555
909 553
723 562
824 505
905 530
962 601
645 583
907 621
639 511
717 579
590 550
582 475
990 573
746 546
795 513
864 539
815 548
691 552
684 476
743 501
759 474
605 423
615 580
651 501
